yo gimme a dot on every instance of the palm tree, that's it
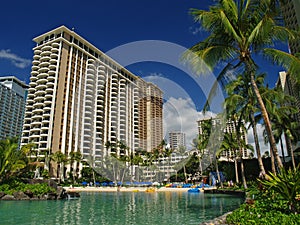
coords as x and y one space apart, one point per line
60 158
74 157
282 119
230 146
12 160
239 30
242 100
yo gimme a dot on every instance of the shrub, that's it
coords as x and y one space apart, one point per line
36 189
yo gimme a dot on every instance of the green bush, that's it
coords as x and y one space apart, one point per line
253 214
36 189
275 200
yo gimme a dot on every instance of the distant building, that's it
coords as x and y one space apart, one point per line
229 128
291 14
12 106
176 140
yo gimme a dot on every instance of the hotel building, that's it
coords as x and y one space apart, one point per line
229 128
12 106
291 14
176 139
79 99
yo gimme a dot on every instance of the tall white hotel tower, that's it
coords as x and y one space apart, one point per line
79 99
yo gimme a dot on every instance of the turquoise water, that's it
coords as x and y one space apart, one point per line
121 208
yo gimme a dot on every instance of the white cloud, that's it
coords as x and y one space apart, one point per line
16 60
180 114
263 147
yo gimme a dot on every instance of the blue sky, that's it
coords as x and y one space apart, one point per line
108 25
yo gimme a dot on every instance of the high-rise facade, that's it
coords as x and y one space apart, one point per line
80 99
291 14
12 106
176 140
150 116
230 128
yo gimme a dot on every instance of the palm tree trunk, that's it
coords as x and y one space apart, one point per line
184 171
243 173
290 149
265 116
282 150
272 162
236 171
218 173
257 147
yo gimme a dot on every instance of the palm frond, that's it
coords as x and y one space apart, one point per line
290 62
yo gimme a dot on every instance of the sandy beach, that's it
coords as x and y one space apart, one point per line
126 189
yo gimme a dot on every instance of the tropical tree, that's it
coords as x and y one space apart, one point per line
242 100
238 30
230 146
281 115
60 158
74 157
12 160
29 150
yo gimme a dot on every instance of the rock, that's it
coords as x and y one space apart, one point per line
20 195
2 194
52 184
29 193
51 196
8 197
60 191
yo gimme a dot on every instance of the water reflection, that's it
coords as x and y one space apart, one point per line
121 208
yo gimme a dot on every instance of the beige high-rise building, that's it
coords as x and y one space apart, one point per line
150 108
80 99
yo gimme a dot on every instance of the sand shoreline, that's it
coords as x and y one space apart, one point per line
126 189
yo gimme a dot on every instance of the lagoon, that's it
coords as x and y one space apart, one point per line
116 208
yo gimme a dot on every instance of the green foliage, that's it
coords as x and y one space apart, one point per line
254 214
16 185
275 200
284 186
12 160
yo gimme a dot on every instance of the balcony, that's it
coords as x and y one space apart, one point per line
35 129
39 98
43 70
46 48
54 50
49 91
44 64
37 111
37 51
54 55
52 67
35 67
31 89
55 45
45 58
35 62
46 53
41 84
50 84
40 92
36 57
